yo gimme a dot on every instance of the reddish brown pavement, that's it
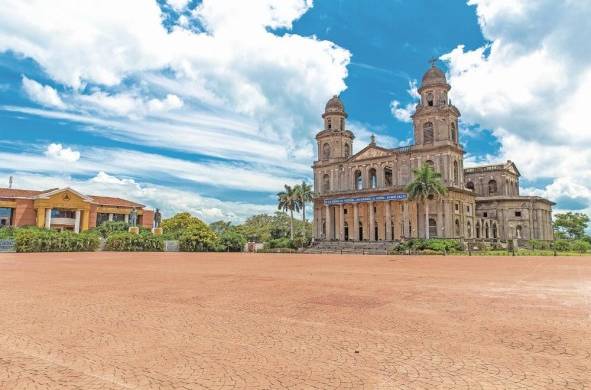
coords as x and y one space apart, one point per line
236 321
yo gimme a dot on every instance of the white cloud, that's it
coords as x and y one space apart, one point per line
128 104
531 85
404 114
43 94
178 5
58 152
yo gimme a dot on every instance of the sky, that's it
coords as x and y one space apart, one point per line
212 106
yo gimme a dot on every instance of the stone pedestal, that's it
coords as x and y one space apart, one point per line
157 231
134 230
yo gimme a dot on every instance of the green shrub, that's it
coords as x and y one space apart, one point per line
6 232
281 243
128 242
107 228
198 238
420 245
232 241
537 244
580 246
41 240
562 245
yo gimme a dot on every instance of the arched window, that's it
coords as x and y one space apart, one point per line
470 186
387 177
456 172
457 223
326 151
518 232
358 180
430 99
347 150
454 134
373 178
329 123
432 227
469 230
325 183
486 230
492 187
494 230
478 229
428 133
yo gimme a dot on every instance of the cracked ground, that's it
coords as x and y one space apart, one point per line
257 321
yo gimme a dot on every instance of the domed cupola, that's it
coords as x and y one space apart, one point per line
334 106
434 76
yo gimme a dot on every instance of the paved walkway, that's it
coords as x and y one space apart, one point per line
235 321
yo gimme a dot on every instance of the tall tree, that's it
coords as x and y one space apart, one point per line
287 200
426 185
571 225
304 193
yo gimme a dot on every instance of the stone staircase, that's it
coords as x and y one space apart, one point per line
359 247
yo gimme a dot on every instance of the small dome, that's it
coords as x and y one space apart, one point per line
334 105
434 76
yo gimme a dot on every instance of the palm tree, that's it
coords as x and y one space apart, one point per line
288 201
304 192
426 185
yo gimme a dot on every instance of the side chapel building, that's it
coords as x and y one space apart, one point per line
360 197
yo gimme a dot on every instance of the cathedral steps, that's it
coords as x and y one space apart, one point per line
358 247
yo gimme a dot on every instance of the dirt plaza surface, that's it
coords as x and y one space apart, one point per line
270 321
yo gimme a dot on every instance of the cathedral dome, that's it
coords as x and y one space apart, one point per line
334 105
433 76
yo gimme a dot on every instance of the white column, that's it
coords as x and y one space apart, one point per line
372 222
387 206
356 222
110 216
77 222
328 223
48 218
126 218
341 223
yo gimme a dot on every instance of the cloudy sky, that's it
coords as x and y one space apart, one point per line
211 106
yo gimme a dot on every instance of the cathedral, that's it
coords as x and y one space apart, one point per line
361 196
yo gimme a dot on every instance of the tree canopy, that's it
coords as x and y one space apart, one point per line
571 225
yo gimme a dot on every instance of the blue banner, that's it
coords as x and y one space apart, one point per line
374 198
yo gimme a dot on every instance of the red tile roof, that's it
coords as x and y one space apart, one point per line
109 201
11 193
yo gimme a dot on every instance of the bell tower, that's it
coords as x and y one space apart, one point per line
334 141
435 120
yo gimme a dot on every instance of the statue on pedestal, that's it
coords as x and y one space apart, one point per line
133 218
157 218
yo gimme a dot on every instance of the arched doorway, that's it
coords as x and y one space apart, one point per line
360 231
432 228
375 232
346 231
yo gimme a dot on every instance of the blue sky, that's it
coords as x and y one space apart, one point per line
211 106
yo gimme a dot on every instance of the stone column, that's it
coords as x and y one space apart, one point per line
405 229
341 223
372 222
328 223
388 221
77 222
48 218
440 227
355 222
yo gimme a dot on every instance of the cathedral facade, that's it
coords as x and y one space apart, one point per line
361 196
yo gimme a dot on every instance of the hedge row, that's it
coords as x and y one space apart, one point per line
41 240
427 246
128 242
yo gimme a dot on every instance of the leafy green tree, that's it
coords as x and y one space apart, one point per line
571 225
198 238
287 200
175 226
107 228
426 185
232 241
220 227
304 195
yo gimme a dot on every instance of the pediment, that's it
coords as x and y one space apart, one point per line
371 152
64 195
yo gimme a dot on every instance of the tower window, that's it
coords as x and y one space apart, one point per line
470 186
329 123
388 176
430 99
428 133
454 136
456 172
492 187
326 183
347 150
326 151
518 213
